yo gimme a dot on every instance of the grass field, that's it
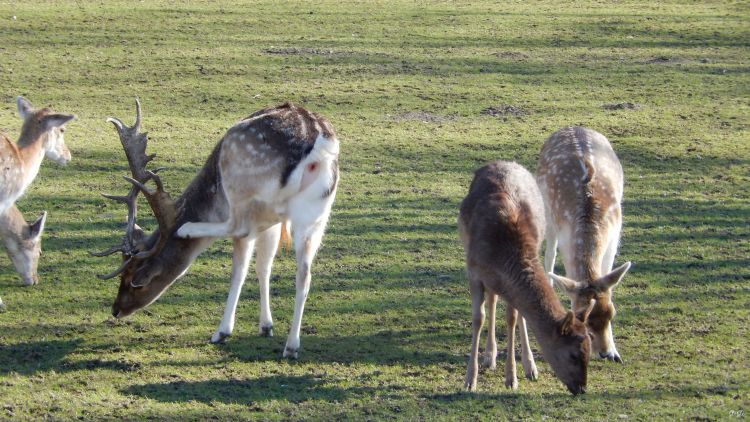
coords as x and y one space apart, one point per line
422 93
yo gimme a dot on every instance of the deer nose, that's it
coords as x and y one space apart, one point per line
576 389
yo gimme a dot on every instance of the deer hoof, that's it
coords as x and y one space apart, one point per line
219 337
470 385
291 353
532 375
266 331
184 231
512 383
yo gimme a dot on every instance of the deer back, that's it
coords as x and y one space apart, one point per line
582 183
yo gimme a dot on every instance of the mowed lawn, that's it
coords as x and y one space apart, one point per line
422 93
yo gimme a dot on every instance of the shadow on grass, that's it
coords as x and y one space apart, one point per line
293 389
657 393
417 347
36 356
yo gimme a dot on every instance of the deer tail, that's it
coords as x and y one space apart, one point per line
285 240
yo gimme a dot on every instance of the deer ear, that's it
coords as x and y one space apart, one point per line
56 120
25 109
567 323
146 278
611 280
566 284
138 234
37 227
588 310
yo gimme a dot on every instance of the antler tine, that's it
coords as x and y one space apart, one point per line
137 126
117 271
131 200
118 124
157 179
110 251
139 185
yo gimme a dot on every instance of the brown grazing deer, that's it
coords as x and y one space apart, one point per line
23 242
41 135
501 224
581 181
278 165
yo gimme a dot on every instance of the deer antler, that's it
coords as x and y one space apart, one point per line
134 143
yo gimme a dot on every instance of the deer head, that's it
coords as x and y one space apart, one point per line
52 126
23 242
569 353
599 319
144 272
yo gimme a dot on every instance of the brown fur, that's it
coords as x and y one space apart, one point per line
501 221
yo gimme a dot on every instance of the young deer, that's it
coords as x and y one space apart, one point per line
279 164
581 180
501 224
23 242
41 135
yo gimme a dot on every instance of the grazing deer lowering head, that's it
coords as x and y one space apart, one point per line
23 242
581 181
41 135
278 165
501 225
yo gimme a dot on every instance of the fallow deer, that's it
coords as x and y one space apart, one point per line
581 181
41 135
278 165
501 224
23 242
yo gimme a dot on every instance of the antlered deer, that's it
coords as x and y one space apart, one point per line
501 224
41 135
581 181
23 242
278 165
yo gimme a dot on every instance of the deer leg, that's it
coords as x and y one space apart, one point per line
511 380
608 259
477 320
238 224
527 358
265 250
241 255
490 352
306 243
551 252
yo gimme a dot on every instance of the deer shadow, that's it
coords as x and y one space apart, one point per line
294 389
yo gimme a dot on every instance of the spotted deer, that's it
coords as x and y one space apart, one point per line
278 165
41 135
501 224
581 181
23 243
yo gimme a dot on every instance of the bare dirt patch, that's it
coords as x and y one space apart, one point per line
423 116
504 111
513 55
621 106
666 60
304 51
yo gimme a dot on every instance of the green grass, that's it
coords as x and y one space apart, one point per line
386 329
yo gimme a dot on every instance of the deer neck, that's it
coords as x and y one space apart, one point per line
11 225
30 153
587 256
536 300
203 200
